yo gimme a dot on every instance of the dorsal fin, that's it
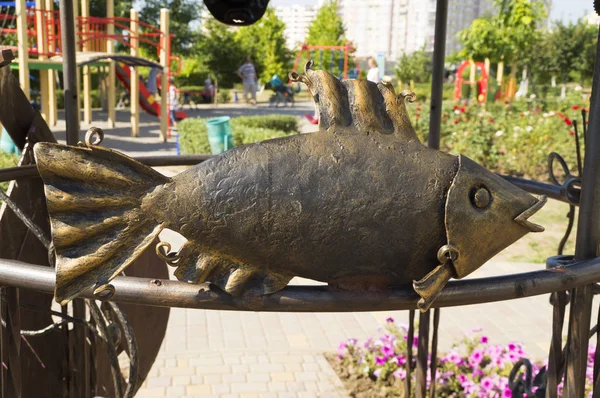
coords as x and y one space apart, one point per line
357 105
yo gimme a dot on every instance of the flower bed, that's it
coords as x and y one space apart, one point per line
474 367
512 137
7 160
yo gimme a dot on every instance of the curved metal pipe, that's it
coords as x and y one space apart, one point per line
165 293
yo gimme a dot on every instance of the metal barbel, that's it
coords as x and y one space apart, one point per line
166 293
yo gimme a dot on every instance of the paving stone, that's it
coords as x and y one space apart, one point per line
261 377
276 386
266 367
221 388
177 371
175 391
160 381
201 389
151 392
283 376
249 387
307 376
182 381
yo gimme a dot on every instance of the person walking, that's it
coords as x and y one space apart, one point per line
173 101
247 73
373 74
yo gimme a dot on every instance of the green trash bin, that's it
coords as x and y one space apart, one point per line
6 144
219 134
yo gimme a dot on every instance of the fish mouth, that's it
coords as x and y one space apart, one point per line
522 219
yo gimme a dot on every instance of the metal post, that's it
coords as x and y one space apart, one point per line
87 71
134 78
164 62
22 45
588 238
67 35
437 78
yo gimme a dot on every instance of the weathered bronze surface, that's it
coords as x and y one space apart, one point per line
361 204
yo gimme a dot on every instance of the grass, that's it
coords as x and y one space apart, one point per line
535 248
7 160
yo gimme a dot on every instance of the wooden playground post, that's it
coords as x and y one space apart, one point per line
134 82
51 84
22 46
42 45
472 71
110 48
77 48
164 61
346 53
87 73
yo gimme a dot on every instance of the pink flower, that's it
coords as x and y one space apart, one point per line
390 320
400 374
387 351
400 361
511 347
380 360
462 379
575 107
463 110
341 349
483 340
377 373
487 383
453 357
476 357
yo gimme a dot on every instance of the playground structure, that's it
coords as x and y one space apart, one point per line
38 36
344 55
482 85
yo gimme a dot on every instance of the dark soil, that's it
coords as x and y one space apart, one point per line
359 386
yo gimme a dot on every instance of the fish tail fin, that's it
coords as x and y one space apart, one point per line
100 213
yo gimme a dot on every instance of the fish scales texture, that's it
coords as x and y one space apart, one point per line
275 210
360 204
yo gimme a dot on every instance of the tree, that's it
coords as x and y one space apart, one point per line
415 66
218 52
182 14
327 29
265 43
510 35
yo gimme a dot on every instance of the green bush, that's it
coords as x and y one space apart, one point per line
193 134
224 96
285 123
7 160
60 99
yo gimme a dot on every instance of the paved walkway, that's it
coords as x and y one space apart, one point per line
242 354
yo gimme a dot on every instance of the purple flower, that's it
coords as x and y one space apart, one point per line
380 360
377 373
511 347
483 340
476 357
401 361
352 341
462 379
341 349
400 374
390 320
507 393
387 351
368 342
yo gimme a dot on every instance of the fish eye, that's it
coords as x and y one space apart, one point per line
480 197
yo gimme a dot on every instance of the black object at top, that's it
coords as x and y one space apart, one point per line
237 12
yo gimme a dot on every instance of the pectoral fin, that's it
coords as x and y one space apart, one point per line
432 284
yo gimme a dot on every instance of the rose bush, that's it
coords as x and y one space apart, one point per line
474 367
514 137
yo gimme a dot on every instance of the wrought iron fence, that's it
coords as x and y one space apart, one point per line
98 330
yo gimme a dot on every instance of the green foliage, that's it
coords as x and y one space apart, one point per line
182 14
513 138
224 96
509 35
193 136
327 29
265 43
287 124
415 67
7 160
122 8
217 52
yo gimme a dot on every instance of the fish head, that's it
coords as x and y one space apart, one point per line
485 214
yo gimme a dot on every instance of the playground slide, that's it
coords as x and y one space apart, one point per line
147 101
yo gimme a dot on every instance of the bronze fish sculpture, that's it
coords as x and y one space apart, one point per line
361 204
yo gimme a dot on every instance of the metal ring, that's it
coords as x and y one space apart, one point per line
167 255
104 292
447 252
95 133
408 95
